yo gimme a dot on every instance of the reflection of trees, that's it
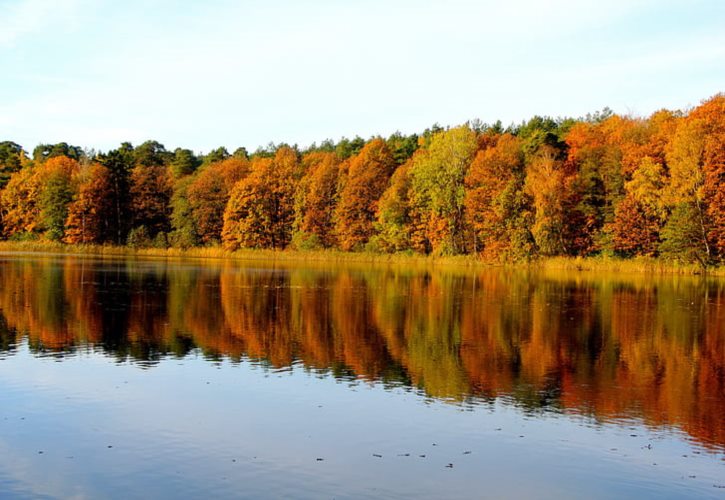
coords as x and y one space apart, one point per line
8 337
31 309
653 348
256 308
196 316
311 313
419 317
62 305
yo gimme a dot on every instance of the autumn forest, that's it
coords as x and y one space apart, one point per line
604 184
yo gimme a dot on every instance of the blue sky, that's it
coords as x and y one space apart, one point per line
244 73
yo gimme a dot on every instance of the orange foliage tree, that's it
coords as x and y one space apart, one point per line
260 211
366 180
151 190
317 198
496 206
91 207
20 212
209 193
36 199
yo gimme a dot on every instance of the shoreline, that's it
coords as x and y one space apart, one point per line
638 265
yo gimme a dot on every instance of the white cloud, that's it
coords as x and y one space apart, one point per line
25 17
246 73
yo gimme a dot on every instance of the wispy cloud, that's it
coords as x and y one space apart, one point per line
234 73
20 18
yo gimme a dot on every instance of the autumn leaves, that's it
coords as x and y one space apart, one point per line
605 184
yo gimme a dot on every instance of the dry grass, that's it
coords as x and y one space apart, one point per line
637 265
640 265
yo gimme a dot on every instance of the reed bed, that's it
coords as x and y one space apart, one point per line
637 265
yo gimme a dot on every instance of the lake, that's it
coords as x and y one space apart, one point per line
133 378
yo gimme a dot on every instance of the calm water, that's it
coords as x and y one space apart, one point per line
138 379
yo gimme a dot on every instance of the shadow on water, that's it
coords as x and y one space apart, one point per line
608 347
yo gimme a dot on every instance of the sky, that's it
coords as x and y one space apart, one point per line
246 73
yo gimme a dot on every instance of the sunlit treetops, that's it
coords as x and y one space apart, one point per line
603 184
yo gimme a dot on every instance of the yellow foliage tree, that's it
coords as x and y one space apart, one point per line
260 211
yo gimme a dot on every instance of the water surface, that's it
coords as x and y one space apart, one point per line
148 378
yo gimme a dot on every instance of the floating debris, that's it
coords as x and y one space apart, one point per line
376 455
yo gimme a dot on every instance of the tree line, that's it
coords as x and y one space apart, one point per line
601 184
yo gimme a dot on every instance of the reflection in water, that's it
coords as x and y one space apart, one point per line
602 346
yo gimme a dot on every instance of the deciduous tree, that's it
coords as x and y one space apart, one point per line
550 187
55 179
317 197
437 187
209 193
393 226
496 206
260 211
366 179
151 191
20 211
90 213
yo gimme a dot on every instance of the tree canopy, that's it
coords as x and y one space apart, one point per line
601 184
